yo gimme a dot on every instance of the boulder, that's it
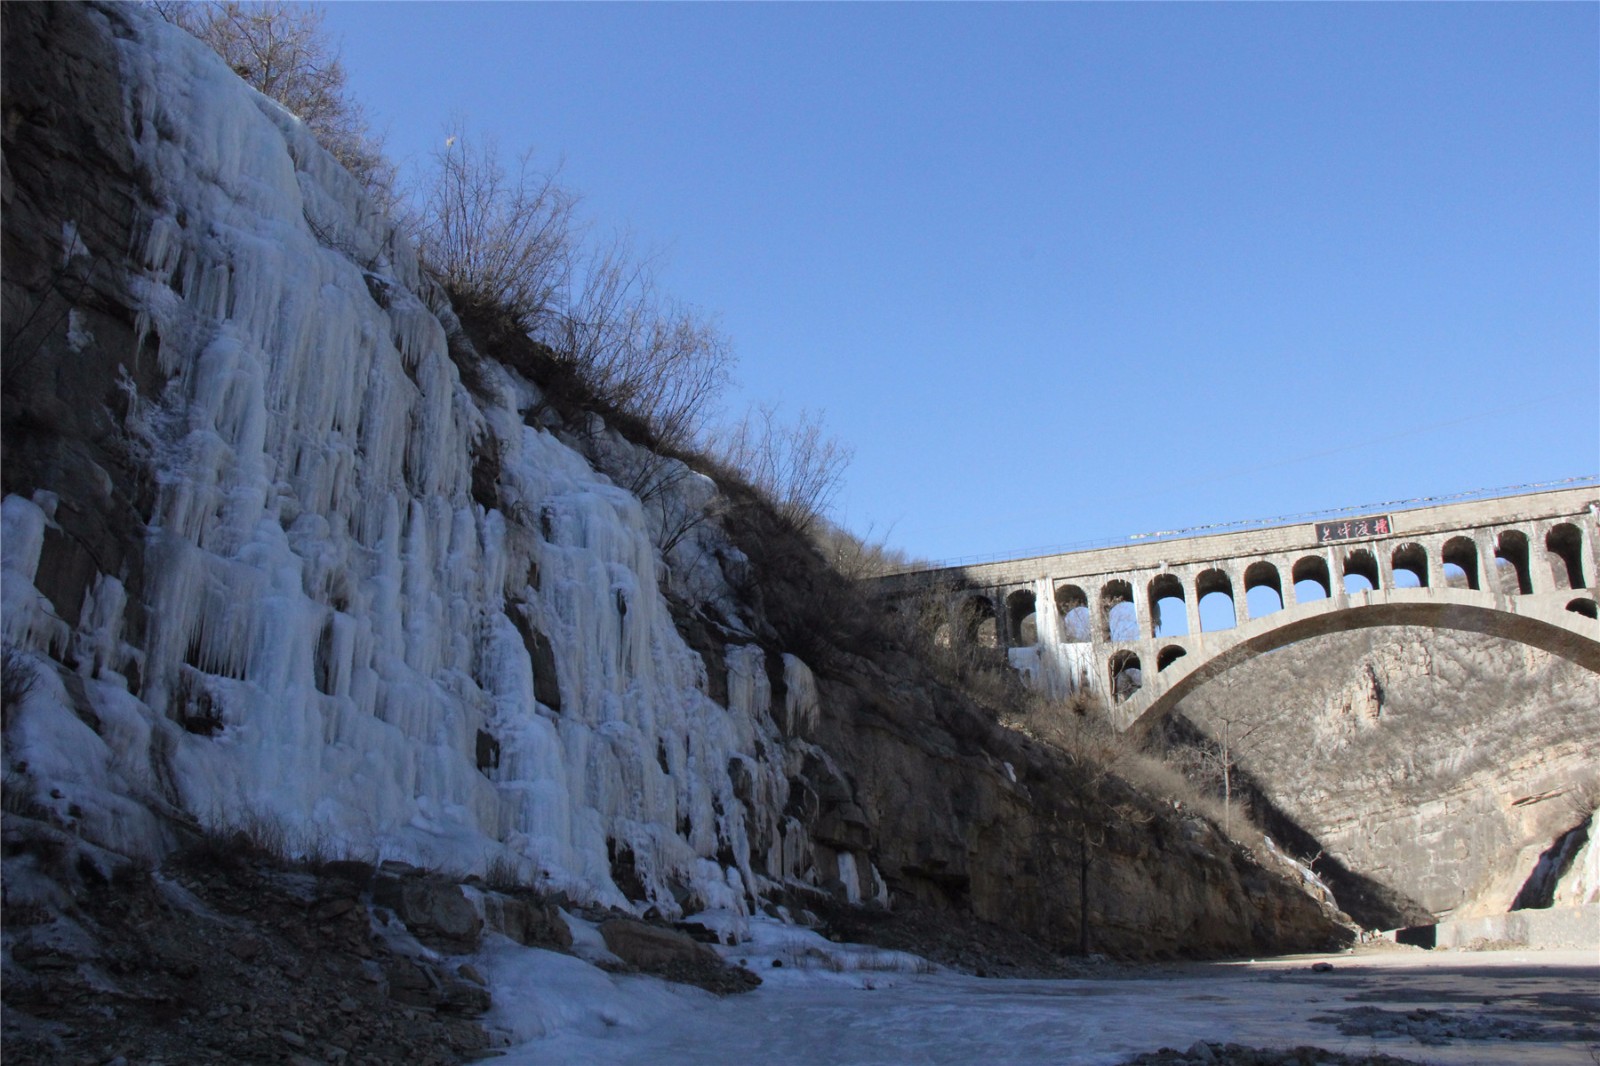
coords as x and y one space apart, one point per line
650 947
527 922
436 911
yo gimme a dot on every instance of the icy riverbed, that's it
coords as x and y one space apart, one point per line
822 1008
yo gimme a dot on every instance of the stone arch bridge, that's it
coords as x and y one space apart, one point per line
1126 621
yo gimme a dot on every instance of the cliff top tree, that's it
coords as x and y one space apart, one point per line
495 236
795 464
282 50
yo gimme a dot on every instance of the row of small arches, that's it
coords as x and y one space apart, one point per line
1117 618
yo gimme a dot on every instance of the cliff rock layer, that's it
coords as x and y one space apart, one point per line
1437 763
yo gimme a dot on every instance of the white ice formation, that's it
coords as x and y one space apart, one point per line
341 639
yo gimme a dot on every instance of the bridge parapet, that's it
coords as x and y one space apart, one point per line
1126 621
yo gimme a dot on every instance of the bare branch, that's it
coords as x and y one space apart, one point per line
497 237
796 464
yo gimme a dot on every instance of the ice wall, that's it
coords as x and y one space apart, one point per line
1058 664
1581 885
340 641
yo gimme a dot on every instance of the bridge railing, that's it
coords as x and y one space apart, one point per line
1217 528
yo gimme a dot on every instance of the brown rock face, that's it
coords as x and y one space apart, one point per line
673 955
1439 764
949 827
70 197
527 921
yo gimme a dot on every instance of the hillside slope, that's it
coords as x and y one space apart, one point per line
271 562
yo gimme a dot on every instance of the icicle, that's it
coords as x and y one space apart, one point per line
801 702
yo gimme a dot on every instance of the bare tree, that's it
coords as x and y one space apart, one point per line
497 237
17 678
1088 807
647 354
282 50
505 237
682 366
795 464
859 557
1220 760
1231 720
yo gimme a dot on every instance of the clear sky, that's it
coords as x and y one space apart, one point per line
1060 272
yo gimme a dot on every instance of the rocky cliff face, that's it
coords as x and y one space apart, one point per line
961 815
1439 764
269 562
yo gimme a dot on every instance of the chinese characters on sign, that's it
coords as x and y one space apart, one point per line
1351 528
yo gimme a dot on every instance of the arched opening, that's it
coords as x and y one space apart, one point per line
1023 627
1410 563
1311 581
1460 556
1168 655
1126 677
977 621
1072 604
1121 620
1584 606
1564 545
1169 615
1215 592
1263 589
1511 562
1360 571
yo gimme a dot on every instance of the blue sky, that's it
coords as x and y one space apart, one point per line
1062 272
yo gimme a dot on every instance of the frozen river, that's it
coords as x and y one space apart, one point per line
1533 1007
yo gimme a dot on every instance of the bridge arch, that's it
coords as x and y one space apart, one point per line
975 620
1262 575
1410 558
1126 675
1164 591
1461 553
1585 606
1022 627
1359 563
1313 569
1072 604
1216 582
1169 655
1118 620
1564 548
1458 609
1511 559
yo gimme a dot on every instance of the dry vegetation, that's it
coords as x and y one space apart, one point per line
1080 728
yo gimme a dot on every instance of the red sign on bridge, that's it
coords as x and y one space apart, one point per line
1354 528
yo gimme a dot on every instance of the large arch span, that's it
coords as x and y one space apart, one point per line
1550 622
